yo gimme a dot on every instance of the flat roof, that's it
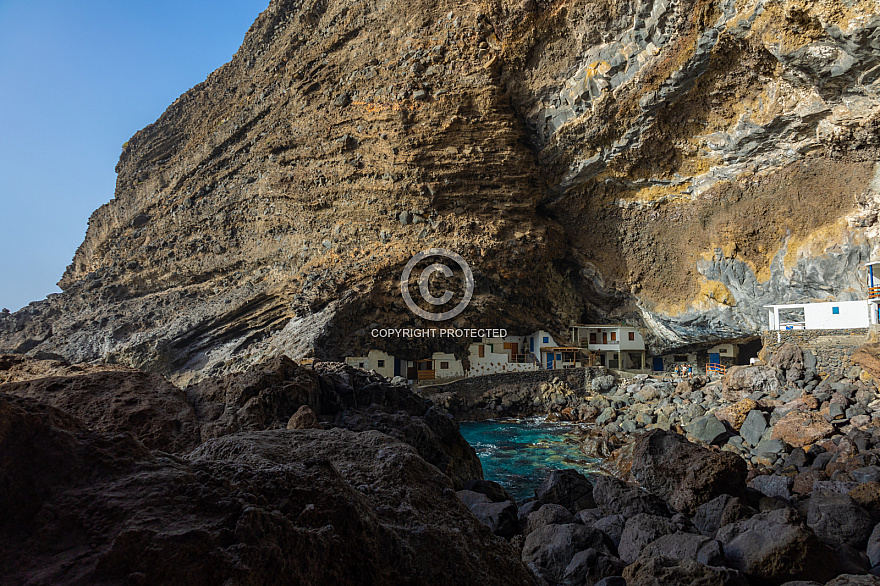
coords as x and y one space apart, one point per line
602 326
802 305
555 348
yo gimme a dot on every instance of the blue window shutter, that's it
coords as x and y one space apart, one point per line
546 340
835 310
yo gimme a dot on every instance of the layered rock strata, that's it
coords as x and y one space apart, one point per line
673 164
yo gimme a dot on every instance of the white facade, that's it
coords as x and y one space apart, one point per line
381 362
725 350
537 340
497 355
377 360
828 315
617 346
446 365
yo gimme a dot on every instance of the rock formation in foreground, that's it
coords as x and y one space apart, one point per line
124 498
673 164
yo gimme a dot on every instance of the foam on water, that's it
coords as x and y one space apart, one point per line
518 454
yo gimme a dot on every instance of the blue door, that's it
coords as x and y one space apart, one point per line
532 345
398 371
714 358
658 364
549 361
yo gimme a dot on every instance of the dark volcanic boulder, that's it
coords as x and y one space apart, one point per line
568 488
776 546
112 399
548 515
663 571
42 448
500 518
641 530
683 474
686 546
267 395
590 566
612 526
493 490
838 520
720 511
549 549
271 507
616 497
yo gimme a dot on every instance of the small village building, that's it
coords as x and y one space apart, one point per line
553 357
535 341
831 315
441 365
497 355
383 363
824 315
615 346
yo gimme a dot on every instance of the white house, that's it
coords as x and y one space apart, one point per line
384 364
617 346
440 365
826 315
830 315
496 355
560 357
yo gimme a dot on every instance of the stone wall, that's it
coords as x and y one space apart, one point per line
833 348
576 378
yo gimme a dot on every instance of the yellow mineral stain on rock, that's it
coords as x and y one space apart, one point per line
717 292
813 244
657 192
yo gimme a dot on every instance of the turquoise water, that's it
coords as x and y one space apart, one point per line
519 454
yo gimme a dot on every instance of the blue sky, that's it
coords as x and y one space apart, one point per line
77 80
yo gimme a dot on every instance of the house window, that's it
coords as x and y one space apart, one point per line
380 364
444 366
546 339
482 351
360 364
559 357
835 310
592 337
613 336
632 336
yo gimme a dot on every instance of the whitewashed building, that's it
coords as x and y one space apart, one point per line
497 355
825 315
830 315
616 346
382 362
440 365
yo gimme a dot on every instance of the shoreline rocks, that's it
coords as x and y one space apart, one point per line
363 494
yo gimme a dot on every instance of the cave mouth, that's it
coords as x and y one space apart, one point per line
748 350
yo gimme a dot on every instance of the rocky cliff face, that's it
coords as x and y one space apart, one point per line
675 164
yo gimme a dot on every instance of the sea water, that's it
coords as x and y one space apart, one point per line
518 454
